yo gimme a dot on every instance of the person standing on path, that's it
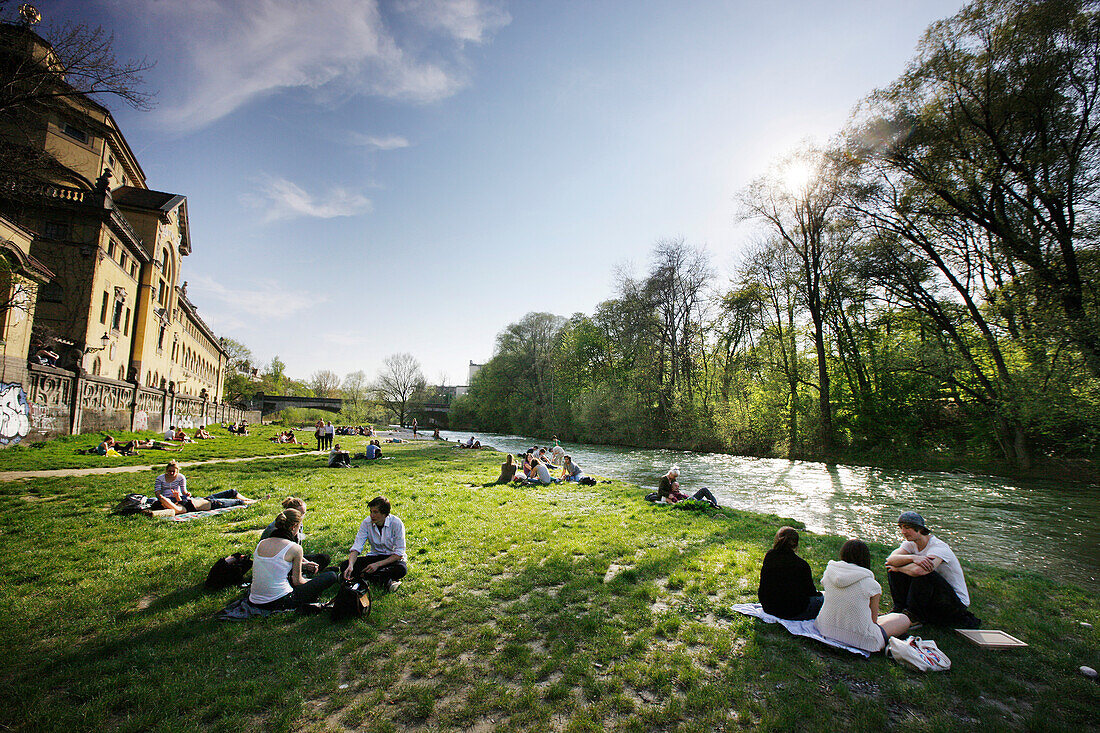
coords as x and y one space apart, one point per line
330 433
414 427
319 433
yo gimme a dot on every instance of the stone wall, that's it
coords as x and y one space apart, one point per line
53 402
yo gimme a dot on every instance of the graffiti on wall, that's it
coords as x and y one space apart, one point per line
141 420
15 414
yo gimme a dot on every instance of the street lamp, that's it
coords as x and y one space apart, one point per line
106 341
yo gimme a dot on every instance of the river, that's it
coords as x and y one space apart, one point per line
1045 527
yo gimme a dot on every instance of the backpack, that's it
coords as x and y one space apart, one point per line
652 497
587 481
228 571
133 504
352 601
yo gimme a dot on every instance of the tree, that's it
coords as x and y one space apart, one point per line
40 75
800 202
354 389
998 122
324 383
240 382
399 379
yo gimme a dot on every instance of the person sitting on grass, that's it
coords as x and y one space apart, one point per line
277 565
107 448
373 450
507 470
570 471
787 587
540 475
669 489
385 566
313 563
557 453
926 580
201 434
170 433
170 488
181 437
849 612
339 458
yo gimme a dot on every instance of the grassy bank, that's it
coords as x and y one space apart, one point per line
564 608
62 452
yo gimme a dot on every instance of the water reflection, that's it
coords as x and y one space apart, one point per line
1040 526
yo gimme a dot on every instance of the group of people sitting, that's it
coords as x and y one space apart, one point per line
237 428
668 490
356 430
280 565
287 436
535 469
925 579
471 443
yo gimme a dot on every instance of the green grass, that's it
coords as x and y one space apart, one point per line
504 622
62 452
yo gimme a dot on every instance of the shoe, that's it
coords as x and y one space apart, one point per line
391 586
970 621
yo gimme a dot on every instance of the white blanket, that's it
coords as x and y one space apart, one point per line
798 628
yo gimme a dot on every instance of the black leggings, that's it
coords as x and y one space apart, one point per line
926 598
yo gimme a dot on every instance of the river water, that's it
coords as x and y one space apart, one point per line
1045 527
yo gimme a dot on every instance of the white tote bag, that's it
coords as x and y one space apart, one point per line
919 654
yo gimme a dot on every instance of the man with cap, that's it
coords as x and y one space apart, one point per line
926 580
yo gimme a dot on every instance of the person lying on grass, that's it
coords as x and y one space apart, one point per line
849 612
385 565
170 488
152 445
314 563
669 489
787 587
277 564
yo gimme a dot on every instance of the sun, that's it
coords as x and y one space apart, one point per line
796 176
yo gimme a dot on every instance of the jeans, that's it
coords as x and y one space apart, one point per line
393 571
704 494
928 599
304 594
220 500
812 608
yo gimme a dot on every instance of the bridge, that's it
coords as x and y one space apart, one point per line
268 403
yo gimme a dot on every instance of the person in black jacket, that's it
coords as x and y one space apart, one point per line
787 587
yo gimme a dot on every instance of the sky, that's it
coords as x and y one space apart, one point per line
366 178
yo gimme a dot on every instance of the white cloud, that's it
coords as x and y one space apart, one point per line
282 199
464 20
237 308
389 142
233 52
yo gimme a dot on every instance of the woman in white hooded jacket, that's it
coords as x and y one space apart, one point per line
850 610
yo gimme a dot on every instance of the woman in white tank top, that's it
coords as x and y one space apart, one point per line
277 581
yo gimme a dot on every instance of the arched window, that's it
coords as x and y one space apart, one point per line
121 373
96 365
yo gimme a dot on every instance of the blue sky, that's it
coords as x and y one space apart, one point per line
366 178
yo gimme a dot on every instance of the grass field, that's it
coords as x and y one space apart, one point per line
564 608
62 452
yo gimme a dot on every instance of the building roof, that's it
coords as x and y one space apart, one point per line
144 198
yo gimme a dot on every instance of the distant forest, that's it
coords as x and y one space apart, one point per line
923 287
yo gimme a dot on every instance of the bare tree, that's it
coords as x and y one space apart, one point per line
355 388
399 379
324 383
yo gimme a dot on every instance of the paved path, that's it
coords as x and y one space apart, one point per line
51 473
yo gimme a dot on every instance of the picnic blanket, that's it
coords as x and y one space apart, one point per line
798 628
242 609
188 516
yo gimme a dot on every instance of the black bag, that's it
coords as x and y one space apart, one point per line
228 571
653 497
587 481
352 601
133 504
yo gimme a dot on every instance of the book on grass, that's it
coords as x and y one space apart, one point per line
991 638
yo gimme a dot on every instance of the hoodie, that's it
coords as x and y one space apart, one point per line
846 612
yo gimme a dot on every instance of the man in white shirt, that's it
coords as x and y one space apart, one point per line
385 565
926 580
